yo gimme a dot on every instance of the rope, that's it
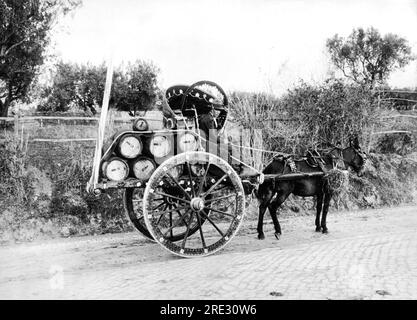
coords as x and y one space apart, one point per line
250 148
256 149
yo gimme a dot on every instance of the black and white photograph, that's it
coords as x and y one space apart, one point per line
208 154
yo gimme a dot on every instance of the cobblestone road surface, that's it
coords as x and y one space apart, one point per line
367 255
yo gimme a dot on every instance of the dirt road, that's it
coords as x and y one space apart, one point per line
369 254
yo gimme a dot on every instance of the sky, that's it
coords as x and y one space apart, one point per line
262 45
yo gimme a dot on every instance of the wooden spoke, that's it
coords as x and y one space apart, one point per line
222 212
220 198
200 189
178 185
175 225
200 225
172 210
190 178
170 223
160 217
220 190
172 197
214 225
179 213
188 231
158 206
214 185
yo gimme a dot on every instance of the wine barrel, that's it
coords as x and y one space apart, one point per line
140 124
142 168
150 121
129 146
115 169
187 142
160 145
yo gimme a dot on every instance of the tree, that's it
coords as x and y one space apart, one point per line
76 85
134 87
328 114
368 58
25 26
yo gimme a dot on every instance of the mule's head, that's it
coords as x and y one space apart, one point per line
354 157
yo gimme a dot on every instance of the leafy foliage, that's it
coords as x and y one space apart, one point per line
310 116
13 179
82 86
74 84
135 87
330 113
399 143
366 57
24 36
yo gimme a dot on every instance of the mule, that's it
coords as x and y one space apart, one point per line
351 156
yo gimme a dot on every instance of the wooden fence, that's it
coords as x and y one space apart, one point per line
17 122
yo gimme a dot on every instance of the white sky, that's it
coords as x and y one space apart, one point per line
263 45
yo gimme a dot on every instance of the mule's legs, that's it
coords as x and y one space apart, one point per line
273 206
262 209
265 193
320 197
327 198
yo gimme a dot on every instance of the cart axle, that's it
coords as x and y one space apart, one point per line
197 204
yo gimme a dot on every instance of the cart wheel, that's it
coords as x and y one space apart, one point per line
133 201
211 191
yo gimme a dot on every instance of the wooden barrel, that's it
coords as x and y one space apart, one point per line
187 142
129 146
115 169
151 120
160 145
140 124
142 168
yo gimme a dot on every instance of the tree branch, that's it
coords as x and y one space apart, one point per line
12 47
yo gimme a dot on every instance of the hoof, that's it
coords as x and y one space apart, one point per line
277 235
325 230
318 229
261 236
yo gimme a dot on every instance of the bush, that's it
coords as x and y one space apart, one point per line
45 197
330 113
399 143
318 116
311 116
388 180
15 180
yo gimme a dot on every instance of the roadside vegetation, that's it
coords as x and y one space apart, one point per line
42 185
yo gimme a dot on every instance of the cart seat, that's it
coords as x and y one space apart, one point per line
198 99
